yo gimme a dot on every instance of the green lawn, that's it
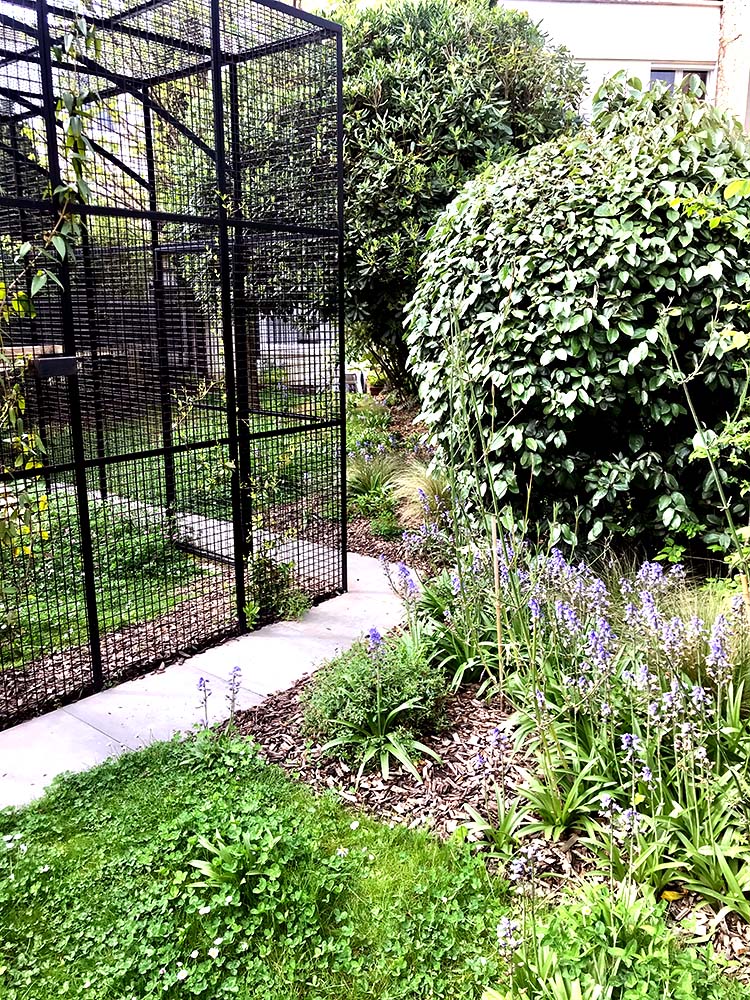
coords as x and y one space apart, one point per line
99 901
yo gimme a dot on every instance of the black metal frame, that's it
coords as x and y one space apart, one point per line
254 108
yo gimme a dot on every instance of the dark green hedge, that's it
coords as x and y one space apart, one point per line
432 90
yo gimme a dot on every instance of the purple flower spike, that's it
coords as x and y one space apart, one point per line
631 745
374 640
407 583
718 661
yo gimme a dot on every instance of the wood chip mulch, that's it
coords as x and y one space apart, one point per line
204 612
440 801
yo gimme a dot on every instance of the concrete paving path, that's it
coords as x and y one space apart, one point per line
154 707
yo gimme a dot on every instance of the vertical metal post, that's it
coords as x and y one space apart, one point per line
239 525
69 341
247 334
162 338
93 325
340 312
246 367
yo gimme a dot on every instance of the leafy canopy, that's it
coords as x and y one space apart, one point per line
562 276
433 89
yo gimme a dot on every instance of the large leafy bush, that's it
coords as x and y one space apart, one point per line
537 331
432 90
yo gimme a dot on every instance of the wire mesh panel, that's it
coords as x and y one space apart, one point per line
182 369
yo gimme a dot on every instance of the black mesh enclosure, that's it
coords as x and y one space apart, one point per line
184 373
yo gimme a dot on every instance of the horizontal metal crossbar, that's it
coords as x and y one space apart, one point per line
175 449
113 211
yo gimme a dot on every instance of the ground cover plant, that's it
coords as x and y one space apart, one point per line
193 869
557 296
432 91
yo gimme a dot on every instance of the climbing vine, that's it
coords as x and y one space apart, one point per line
36 264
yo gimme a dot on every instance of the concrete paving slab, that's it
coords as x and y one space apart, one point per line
35 752
158 705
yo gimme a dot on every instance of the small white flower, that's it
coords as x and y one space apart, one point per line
354 825
182 974
218 940
213 952
44 868
228 901
342 851
370 857
194 953
204 910
87 984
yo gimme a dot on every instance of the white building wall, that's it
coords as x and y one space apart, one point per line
635 36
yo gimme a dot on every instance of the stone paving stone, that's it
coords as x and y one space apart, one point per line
35 752
161 703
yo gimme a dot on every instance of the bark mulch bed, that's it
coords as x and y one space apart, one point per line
203 613
440 801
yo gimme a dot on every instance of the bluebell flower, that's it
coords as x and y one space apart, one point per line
407 583
650 576
601 643
374 640
674 638
650 614
506 935
631 745
598 596
567 616
718 661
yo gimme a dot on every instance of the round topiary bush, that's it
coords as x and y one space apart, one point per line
537 330
433 89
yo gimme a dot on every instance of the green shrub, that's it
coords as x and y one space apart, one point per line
273 593
535 333
375 676
432 90
386 525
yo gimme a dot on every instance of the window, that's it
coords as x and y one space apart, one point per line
679 77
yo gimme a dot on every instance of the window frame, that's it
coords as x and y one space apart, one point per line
682 70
